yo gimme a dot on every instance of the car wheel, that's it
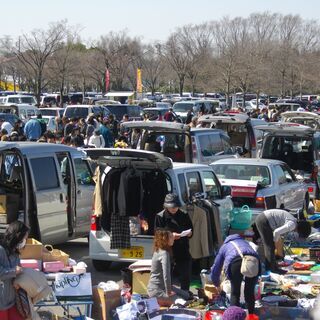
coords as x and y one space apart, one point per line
101 265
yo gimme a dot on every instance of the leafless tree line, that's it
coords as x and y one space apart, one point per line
271 53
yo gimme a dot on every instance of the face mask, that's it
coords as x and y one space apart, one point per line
22 244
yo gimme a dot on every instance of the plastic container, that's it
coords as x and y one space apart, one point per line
241 218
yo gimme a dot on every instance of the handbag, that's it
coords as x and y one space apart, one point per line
249 264
22 303
50 254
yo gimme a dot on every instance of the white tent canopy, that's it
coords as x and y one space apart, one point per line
119 94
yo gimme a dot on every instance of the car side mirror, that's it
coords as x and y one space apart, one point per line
226 191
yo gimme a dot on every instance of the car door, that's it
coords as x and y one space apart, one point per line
213 192
50 198
295 187
286 195
84 194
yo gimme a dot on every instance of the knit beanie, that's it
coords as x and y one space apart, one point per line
234 313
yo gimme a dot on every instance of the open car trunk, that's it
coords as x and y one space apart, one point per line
290 143
234 125
172 139
134 186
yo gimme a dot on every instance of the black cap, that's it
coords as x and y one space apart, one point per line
171 201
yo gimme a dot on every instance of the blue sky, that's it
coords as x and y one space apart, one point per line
149 19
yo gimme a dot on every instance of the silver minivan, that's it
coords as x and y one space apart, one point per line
47 186
180 142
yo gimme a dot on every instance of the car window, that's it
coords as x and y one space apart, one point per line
210 184
210 144
45 173
83 173
288 174
226 145
183 187
281 177
194 183
246 172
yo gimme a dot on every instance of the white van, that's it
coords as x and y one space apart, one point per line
47 186
23 111
18 99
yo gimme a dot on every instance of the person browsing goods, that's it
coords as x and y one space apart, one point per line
172 218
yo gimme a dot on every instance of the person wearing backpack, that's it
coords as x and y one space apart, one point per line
238 259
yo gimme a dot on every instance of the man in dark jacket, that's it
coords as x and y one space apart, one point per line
176 221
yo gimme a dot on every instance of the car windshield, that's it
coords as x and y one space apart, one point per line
296 151
183 107
28 100
243 172
76 112
48 112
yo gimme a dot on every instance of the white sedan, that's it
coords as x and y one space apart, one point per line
261 184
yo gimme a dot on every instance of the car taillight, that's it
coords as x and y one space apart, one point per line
310 189
260 202
95 223
194 148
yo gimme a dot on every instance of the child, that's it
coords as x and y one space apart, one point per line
160 278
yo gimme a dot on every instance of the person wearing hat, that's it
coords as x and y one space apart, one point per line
172 218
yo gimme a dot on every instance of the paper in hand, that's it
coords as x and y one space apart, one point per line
185 233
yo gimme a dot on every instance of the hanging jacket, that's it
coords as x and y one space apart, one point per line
199 242
227 253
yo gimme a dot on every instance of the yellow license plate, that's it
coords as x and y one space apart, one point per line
132 253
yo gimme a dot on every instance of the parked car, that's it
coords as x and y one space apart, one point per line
18 99
309 119
119 110
180 143
261 184
241 129
55 112
83 111
296 145
159 176
181 108
23 111
47 186
154 113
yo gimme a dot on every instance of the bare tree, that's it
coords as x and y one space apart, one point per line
33 51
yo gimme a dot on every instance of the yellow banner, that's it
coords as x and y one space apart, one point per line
139 82
8 86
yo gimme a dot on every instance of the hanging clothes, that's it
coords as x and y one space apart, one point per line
120 232
130 193
198 243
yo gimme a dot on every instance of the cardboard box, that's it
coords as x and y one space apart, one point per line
31 263
3 204
140 280
104 302
32 250
53 266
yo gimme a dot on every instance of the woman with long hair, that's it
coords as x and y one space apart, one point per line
14 239
160 277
